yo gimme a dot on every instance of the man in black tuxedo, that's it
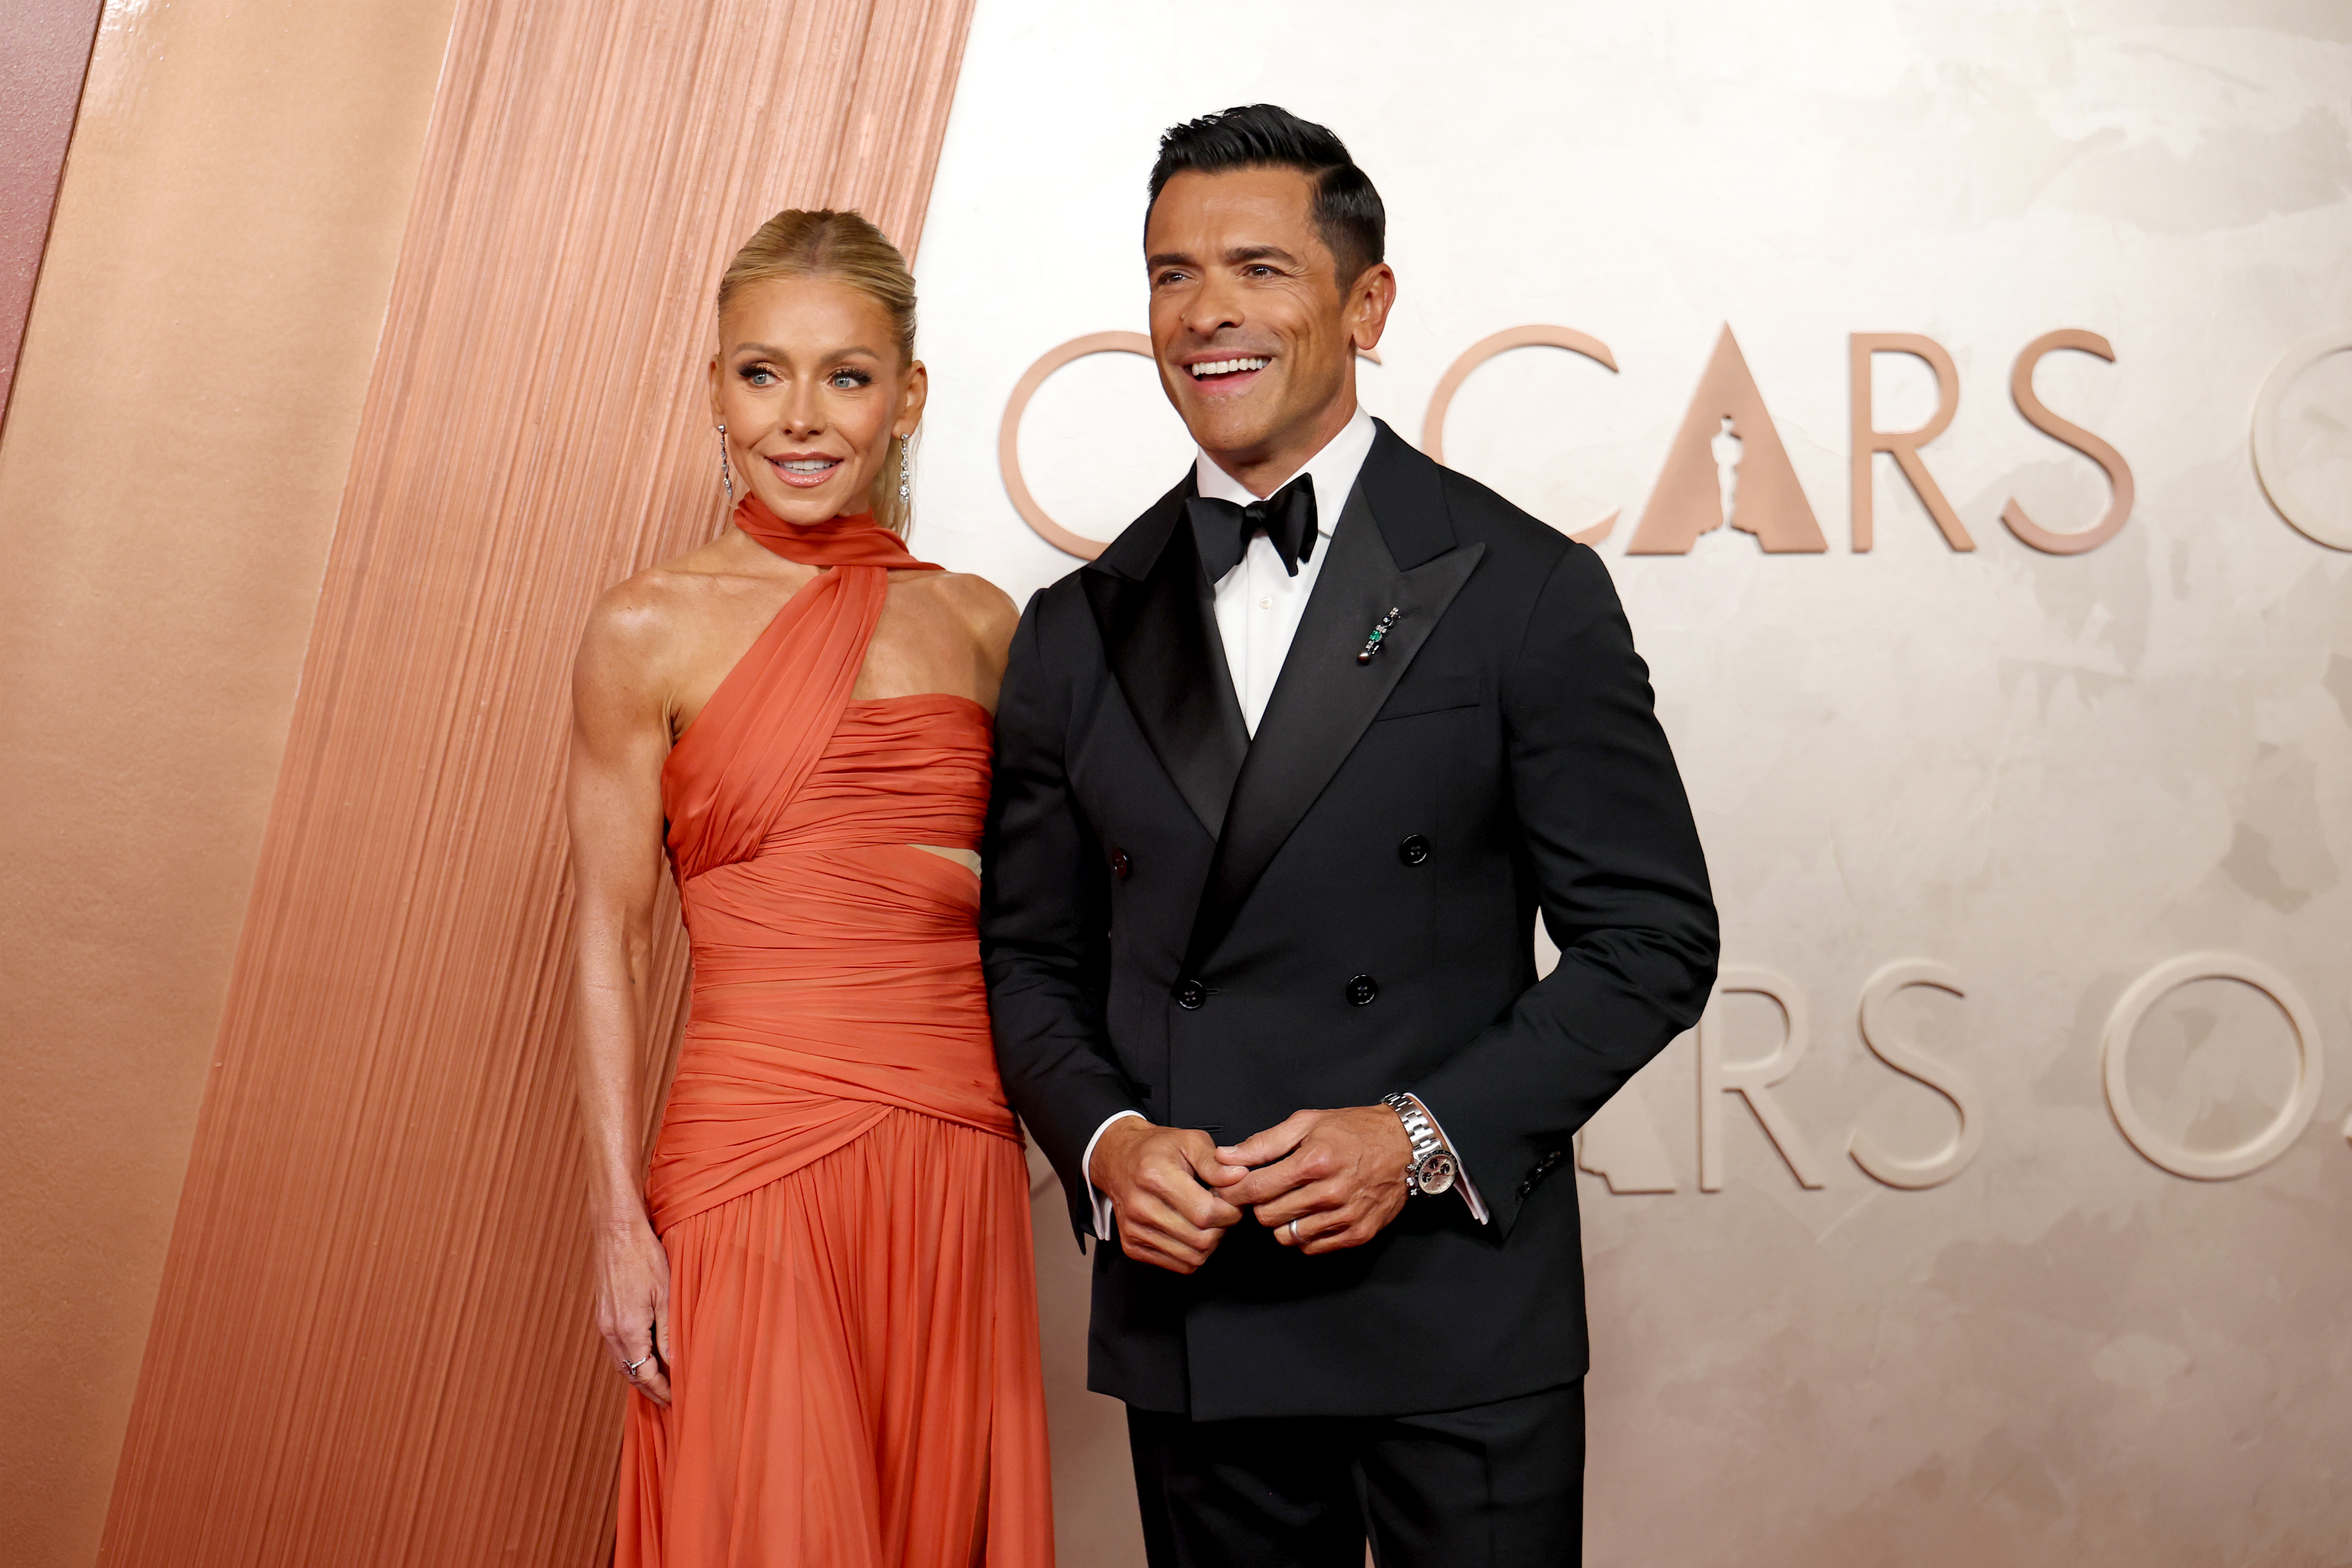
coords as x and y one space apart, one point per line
1282 782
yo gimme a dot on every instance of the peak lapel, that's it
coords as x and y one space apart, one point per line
1159 628
1325 698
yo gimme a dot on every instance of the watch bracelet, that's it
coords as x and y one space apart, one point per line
1422 1133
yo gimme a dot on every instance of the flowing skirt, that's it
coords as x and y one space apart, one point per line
856 1381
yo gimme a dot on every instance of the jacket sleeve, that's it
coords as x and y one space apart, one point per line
1044 922
1620 879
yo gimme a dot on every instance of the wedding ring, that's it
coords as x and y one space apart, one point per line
629 1369
1295 1239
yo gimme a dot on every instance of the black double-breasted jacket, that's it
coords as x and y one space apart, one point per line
1217 931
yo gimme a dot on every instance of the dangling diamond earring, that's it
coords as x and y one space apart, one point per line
724 476
906 493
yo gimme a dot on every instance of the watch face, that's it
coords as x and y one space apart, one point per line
1434 1174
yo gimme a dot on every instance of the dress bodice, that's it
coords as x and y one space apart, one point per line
898 769
836 959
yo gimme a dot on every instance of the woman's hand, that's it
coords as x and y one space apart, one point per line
633 1304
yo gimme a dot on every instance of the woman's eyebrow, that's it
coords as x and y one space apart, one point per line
773 351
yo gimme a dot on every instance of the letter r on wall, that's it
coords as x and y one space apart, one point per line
1752 1081
1903 445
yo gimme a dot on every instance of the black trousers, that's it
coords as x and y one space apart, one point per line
1493 1486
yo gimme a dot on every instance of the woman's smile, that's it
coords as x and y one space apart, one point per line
805 470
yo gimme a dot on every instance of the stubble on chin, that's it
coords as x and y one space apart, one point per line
1237 428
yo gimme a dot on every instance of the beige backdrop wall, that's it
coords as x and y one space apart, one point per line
2048 773
183 422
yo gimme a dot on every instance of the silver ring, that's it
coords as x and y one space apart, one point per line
1296 1239
629 1368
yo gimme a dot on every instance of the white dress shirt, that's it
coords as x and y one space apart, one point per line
1259 603
1259 606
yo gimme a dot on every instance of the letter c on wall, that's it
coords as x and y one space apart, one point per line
2284 1127
1008 435
1432 423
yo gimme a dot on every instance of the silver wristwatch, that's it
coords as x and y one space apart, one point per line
1433 1169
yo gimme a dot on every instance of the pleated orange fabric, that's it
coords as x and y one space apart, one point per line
838 1181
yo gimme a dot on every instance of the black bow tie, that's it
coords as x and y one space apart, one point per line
1222 531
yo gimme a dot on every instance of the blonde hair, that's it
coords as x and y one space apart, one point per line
846 247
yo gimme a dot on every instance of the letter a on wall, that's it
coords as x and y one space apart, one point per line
1688 500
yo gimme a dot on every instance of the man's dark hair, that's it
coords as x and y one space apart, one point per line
1347 212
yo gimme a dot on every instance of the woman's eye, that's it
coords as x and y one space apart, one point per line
759 376
847 379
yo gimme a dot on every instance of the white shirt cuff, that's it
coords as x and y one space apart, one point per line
1462 1181
1102 1205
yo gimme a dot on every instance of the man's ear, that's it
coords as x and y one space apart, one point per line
1369 304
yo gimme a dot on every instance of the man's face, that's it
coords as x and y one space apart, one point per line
1254 338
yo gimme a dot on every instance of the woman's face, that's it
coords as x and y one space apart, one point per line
810 387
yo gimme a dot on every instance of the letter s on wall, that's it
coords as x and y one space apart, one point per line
2037 413
1911 1062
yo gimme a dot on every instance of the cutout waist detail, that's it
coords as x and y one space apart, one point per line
967 859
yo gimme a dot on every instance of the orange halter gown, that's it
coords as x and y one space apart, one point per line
838 1181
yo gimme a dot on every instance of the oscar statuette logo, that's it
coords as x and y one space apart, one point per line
1688 500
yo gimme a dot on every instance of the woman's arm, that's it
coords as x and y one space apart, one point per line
620 736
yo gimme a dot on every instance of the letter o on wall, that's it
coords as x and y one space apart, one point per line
2269 465
2133 1008
1008 435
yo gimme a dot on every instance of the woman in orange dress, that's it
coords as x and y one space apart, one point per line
822 1294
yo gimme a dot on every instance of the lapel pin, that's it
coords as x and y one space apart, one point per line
1379 634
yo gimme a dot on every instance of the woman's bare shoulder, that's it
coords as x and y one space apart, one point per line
985 609
645 621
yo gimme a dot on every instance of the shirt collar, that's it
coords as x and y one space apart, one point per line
1335 468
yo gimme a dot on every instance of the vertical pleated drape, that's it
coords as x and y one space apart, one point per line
372 1344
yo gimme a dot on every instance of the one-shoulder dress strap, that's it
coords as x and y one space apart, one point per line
759 737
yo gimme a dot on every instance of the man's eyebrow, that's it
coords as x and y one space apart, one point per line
1168 258
1246 253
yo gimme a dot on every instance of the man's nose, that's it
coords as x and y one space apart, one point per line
1216 306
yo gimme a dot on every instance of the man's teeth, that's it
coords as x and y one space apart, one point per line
808 465
1227 367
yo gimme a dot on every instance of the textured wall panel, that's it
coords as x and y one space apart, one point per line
372 1342
221 261
44 50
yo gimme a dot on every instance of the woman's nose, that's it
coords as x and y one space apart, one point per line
799 412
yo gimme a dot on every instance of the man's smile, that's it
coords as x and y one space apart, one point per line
1226 373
